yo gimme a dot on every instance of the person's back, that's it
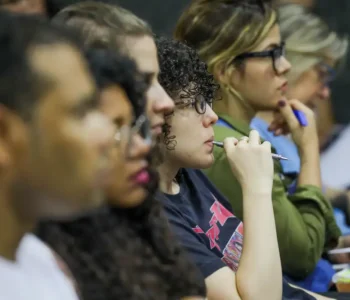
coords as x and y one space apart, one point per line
35 275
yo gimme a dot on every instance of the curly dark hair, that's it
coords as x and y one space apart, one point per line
182 71
119 253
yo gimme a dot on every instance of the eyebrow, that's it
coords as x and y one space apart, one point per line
272 45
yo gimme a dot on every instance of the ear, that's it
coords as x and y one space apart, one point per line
226 75
11 133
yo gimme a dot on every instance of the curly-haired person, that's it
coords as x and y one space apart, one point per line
125 251
199 214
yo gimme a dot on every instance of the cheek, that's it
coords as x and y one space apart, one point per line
151 98
255 78
305 91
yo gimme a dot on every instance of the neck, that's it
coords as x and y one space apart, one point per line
233 106
13 226
167 173
267 116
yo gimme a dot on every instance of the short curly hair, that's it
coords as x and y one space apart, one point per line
181 70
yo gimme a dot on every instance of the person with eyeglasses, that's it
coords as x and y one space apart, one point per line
126 250
241 43
314 52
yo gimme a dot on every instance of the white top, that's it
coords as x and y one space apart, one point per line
335 162
35 275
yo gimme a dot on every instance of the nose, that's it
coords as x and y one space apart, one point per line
284 66
210 117
324 92
161 103
139 148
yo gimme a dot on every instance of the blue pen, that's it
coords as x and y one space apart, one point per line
301 117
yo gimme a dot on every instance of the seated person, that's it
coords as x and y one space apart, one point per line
236 263
54 152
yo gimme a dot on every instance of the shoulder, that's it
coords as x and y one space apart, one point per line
35 252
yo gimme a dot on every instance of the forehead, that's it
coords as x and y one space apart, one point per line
144 51
115 103
65 66
272 38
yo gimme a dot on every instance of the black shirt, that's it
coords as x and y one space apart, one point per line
204 222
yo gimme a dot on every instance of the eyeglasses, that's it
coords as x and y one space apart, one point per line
326 73
125 134
276 55
198 102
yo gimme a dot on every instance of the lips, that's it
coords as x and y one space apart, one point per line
142 177
158 128
210 140
284 87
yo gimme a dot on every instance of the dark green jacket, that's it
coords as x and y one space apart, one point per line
304 221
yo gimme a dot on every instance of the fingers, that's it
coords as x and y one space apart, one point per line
296 104
266 145
230 143
288 114
254 138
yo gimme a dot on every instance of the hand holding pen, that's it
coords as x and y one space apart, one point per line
297 119
250 161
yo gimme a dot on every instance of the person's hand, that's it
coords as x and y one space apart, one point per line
285 122
251 162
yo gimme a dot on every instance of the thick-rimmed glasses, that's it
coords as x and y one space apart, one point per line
125 134
276 55
198 102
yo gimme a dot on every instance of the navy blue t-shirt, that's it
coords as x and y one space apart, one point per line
203 220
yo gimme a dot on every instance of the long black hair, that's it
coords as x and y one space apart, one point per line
124 253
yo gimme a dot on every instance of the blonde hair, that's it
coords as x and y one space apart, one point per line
102 25
221 30
309 40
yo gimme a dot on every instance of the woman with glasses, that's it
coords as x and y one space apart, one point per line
241 43
125 251
314 51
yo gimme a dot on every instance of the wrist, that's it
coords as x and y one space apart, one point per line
310 148
257 190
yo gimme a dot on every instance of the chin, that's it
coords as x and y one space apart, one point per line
129 199
205 163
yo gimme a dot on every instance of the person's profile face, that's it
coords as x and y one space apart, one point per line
260 81
189 134
144 52
127 187
71 142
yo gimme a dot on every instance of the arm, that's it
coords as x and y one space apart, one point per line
260 260
306 212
